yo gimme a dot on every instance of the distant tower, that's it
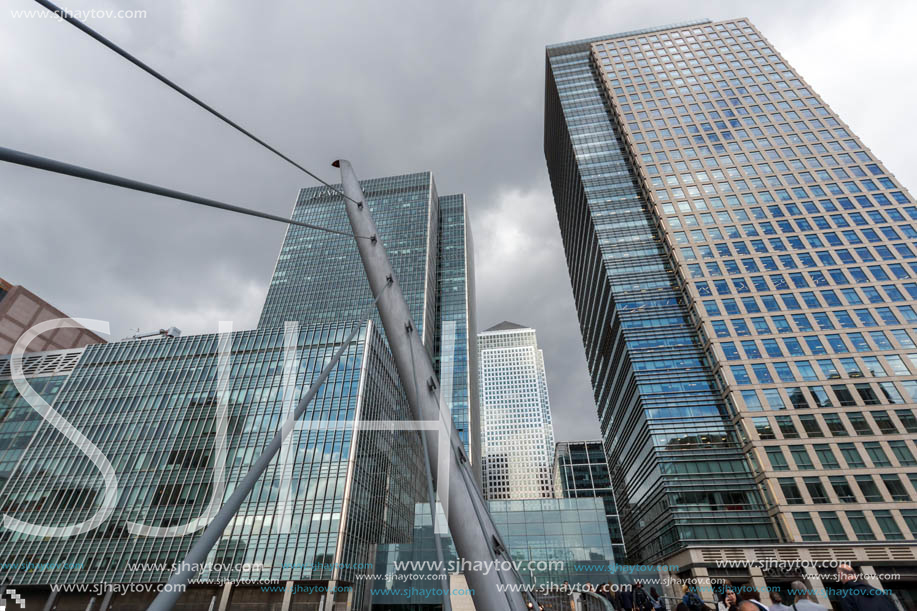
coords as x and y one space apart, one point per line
518 437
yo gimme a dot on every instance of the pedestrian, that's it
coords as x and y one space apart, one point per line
777 603
730 601
641 598
751 595
692 601
626 596
858 595
656 600
803 598
612 596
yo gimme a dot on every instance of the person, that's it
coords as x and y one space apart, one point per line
626 596
681 607
608 594
692 601
858 595
751 596
803 598
656 600
777 603
749 605
730 601
641 600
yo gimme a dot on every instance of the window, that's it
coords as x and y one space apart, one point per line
790 491
902 453
859 424
867 394
806 526
842 489
826 457
787 428
861 528
843 395
773 398
797 398
816 490
835 425
801 457
752 402
832 525
895 487
869 489
852 456
820 395
908 421
777 459
763 428
884 422
910 518
877 454
810 426
888 525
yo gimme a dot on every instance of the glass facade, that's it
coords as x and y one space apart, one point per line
518 436
319 276
581 471
455 347
666 428
151 407
46 373
556 540
790 247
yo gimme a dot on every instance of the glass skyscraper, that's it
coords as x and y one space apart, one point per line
152 407
518 435
319 277
581 471
745 276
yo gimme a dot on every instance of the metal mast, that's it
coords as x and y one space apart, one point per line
476 539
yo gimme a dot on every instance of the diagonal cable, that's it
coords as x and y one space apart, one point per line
59 167
66 16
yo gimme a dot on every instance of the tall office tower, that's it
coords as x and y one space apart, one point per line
166 415
455 348
744 273
518 437
21 309
319 277
581 471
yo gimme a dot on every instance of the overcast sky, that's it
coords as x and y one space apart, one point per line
454 87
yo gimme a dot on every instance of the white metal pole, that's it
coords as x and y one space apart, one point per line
476 538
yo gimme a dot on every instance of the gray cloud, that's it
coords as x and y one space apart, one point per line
396 87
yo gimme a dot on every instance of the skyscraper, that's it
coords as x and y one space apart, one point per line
319 277
152 408
518 437
744 274
581 471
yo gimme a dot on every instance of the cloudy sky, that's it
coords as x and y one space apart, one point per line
398 86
